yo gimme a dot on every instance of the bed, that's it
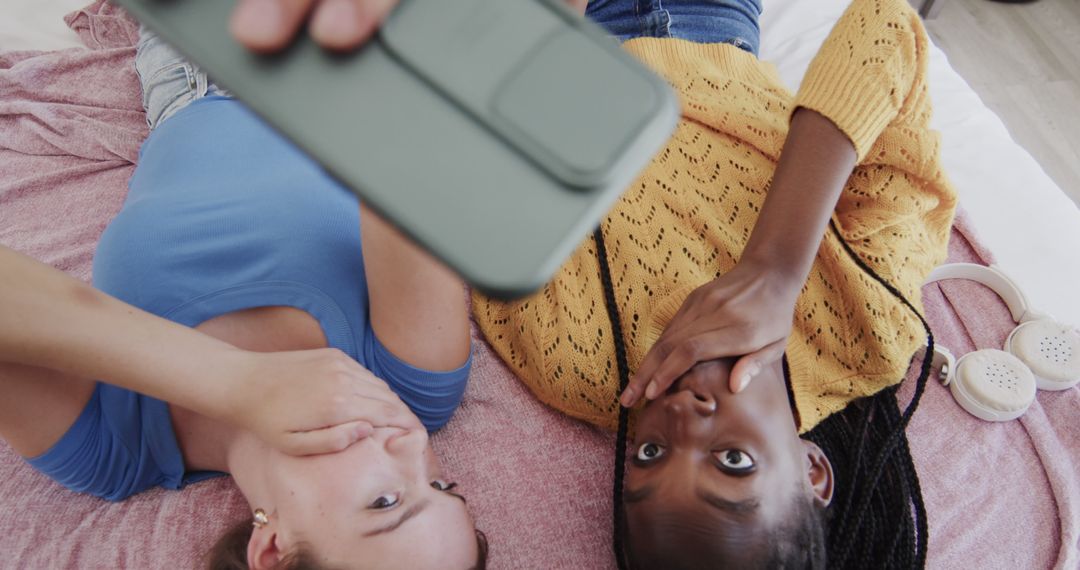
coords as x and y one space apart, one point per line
998 495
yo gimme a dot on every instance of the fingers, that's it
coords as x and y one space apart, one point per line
268 25
357 394
676 357
359 419
750 365
578 5
326 440
684 356
378 409
382 413
342 25
635 388
630 395
683 319
363 429
399 416
642 383
334 363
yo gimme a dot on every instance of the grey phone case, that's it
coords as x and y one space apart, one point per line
495 133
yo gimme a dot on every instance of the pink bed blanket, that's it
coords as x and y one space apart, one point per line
71 122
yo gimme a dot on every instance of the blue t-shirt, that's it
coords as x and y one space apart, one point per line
222 215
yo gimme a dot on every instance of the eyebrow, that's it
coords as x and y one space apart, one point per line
638 495
408 514
740 508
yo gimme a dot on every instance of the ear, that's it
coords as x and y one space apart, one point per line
263 549
819 473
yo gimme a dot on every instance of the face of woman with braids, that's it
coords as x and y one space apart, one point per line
720 471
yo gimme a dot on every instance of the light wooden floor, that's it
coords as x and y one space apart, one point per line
1024 62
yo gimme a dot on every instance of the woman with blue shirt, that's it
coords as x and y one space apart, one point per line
320 330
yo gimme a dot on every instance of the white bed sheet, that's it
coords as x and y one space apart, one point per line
1020 214
1030 225
37 24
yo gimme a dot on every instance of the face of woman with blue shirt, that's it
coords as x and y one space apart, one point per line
381 503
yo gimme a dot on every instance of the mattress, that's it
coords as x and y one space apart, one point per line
998 495
1032 227
37 25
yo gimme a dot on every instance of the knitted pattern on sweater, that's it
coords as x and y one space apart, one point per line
688 217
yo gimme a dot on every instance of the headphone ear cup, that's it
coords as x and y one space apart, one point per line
1050 349
993 385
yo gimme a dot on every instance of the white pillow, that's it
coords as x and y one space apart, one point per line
37 24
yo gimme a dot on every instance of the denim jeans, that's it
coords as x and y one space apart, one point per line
169 82
703 21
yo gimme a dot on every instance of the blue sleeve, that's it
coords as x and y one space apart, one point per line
121 444
432 396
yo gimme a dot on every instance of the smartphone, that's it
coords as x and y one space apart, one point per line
494 133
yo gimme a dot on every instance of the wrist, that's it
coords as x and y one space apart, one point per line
785 276
228 392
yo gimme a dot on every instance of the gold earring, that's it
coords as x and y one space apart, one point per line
261 519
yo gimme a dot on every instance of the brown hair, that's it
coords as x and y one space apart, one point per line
230 552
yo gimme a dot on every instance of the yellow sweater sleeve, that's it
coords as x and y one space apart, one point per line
687 217
851 337
863 76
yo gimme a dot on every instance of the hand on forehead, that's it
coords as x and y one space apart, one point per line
711 374
720 369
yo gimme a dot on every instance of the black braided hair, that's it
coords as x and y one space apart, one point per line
624 380
877 519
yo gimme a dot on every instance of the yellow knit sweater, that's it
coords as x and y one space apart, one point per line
688 216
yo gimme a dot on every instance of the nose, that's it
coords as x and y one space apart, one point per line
688 413
694 400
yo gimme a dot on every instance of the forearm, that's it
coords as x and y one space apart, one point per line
814 165
51 320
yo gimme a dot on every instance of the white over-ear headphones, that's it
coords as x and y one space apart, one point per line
999 385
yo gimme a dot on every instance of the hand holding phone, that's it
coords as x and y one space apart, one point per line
494 133
267 26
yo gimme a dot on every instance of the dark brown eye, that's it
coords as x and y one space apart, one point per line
735 460
649 451
440 485
383 502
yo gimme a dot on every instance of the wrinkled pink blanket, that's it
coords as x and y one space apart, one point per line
999 495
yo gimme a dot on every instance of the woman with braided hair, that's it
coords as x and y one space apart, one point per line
777 238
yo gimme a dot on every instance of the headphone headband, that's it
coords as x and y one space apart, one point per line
991 277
